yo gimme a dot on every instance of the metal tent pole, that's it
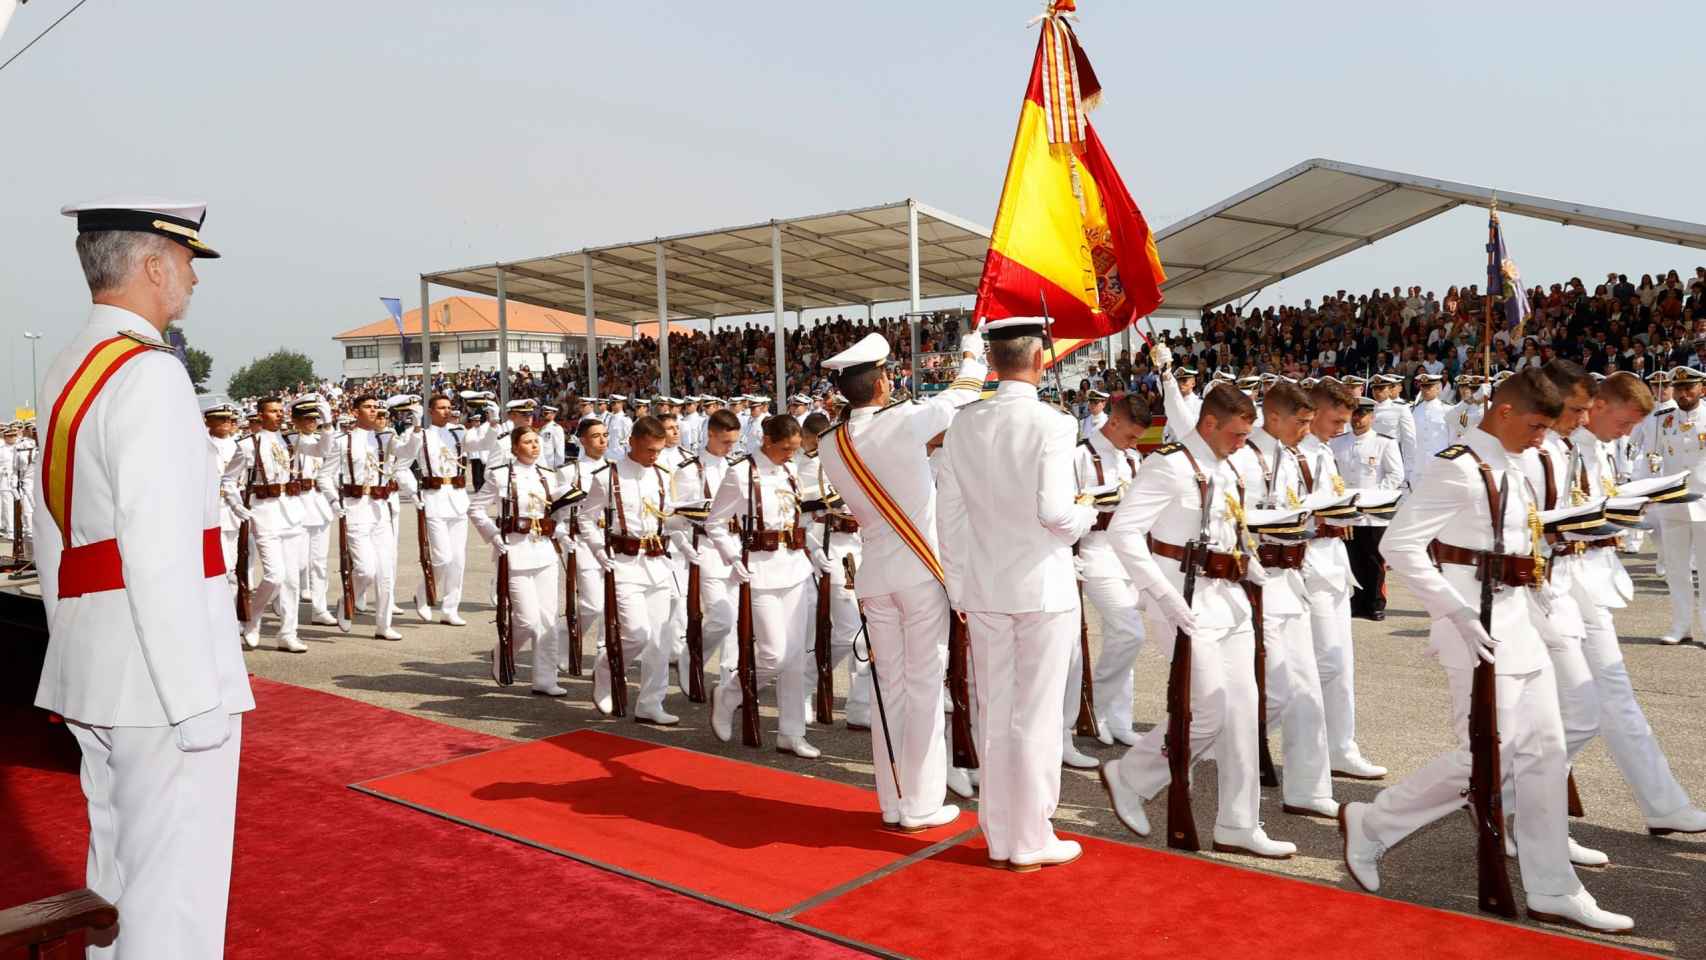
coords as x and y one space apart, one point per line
591 327
663 324
503 343
776 303
426 343
912 284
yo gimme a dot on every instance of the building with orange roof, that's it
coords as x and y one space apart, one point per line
465 336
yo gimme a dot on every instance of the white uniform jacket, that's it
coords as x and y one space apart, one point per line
1326 562
1600 577
643 495
1450 505
1273 481
308 454
1396 420
1369 461
1645 451
263 458
224 448
1433 433
1009 512
525 492
770 493
1680 438
553 445
438 453
578 476
362 458
700 478
1098 464
1182 409
163 648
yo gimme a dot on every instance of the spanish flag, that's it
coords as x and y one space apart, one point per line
1066 229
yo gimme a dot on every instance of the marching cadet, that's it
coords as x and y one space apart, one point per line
221 421
1394 418
524 494
670 459
1463 416
1450 518
1269 466
1184 492
752 435
10 487
495 442
1095 411
832 536
263 485
876 459
1679 439
139 660
1368 461
634 546
397 420
309 446
1009 515
698 480
1328 582
359 479
476 434
1108 458
1433 429
23 460
798 405
765 488
438 453
692 426
619 423
1646 459
591 436
1178 395
1601 585
552 440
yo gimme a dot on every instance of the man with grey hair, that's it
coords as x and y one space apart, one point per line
144 666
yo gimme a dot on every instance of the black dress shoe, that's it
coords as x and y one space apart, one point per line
1377 615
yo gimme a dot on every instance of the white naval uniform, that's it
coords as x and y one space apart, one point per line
1008 523
1368 461
781 618
224 448
525 492
25 458
437 451
310 452
1601 585
553 445
1328 582
1679 437
843 604
364 458
1645 459
277 524
1451 504
1272 480
1165 502
1109 590
1182 409
645 584
10 487
752 434
675 631
699 478
1395 419
124 666
589 576
1433 433
621 426
1466 414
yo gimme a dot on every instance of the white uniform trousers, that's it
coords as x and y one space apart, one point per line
589 601
373 555
643 612
1628 737
1531 753
1020 661
282 554
781 620
675 631
314 566
160 828
447 538
1295 709
843 631
1683 549
1335 660
1115 600
904 632
228 549
9 496
718 597
1223 719
533 619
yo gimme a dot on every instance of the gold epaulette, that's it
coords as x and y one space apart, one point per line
1453 452
1167 448
152 343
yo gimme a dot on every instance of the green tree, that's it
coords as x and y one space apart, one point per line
199 363
278 371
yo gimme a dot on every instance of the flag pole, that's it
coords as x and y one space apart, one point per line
1487 302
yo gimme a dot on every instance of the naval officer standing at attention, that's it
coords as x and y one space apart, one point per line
142 662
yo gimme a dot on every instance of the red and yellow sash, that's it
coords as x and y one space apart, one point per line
891 511
60 445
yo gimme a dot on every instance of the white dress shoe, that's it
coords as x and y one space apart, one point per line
322 618
858 723
1671 639
1055 854
656 717
1362 855
722 721
345 626
1586 856
454 620
1072 757
798 747
891 820
1577 910
945 814
601 692
361 606
1104 733
551 691
1254 842
1125 735
959 781
291 645
252 638
1357 768
1128 806
396 611
388 635
1323 809
976 777
1686 820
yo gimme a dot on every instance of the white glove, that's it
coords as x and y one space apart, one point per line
684 543
605 560
1160 355
1078 568
1475 637
971 344
1175 609
740 572
500 547
822 562
204 731
241 512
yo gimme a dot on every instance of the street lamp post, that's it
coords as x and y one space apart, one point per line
32 338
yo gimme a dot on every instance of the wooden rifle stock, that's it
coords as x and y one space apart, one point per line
1085 726
614 655
1575 799
747 662
962 740
506 626
695 631
823 702
18 527
346 572
425 545
1265 758
1486 804
1181 822
571 612
242 565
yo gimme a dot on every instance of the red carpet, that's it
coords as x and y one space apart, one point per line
324 871
1122 902
760 838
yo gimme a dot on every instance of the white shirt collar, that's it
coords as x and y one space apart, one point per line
1016 388
109 318
1488 447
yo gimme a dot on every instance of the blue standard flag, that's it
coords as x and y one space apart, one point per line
394 307
1504 281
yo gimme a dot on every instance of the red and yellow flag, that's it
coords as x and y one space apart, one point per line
1066 228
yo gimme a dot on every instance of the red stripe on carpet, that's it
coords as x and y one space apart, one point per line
760 838
324 871
1123 902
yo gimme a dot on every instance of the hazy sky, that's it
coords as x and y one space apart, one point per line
346 148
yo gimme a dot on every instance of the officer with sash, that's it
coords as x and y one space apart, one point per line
141 662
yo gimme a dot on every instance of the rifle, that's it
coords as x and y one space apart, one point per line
964 744
747 662
425 544
1266 762
695 631
1181 823
1486 805
346 566
1086 723
613 652
1574 806
242 566
504 668
823 703
571 612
